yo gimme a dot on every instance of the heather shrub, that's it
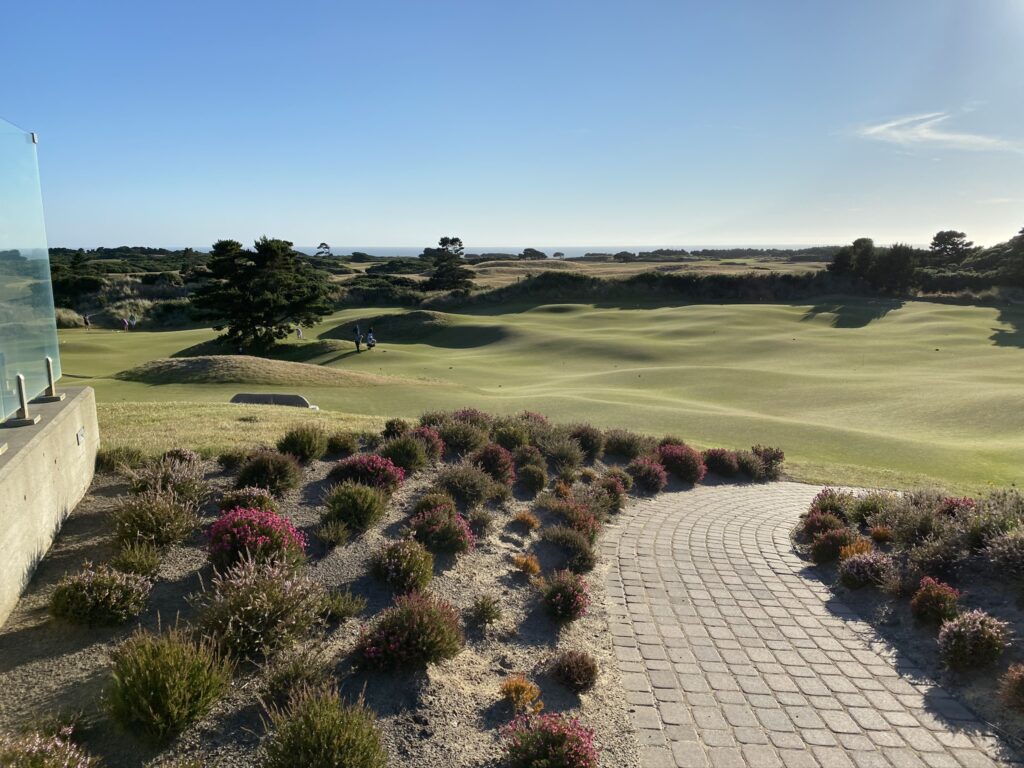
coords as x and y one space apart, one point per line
254 534
248 498
339 605
771 461
871 505
304 441
934 602
937 555
418 630
814 523
682 461
405 452
480 522
369 470
911 525
521 695
576 670
721 461
405 565
528 565
614 489
158 518
294 670
100 596
953 506
256 609
549 741
472 416
343 444
1011 687
442 530
576 545
232 459
461 438
625 444
395 428
881 534
184 479
277 472
467 484
44 750
1005 554
183 455
533 478
564 453
318 730
431 441
825 546
138 557
590 439
998 513
525 520
484 611
972 639
863 569
565 595
433 500
576 516
901 577
163 683
595 499
648 475
496 462
621 475
529 455
861 545
434 419
118 458
333 533
510 434
834 502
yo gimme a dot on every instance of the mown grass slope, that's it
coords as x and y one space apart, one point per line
856 391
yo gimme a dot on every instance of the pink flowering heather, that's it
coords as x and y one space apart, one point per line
369 469
442 529
259 534
418 630
683 461
552 741
34 749
956 506
496 462
532 417
972 639
472 416
566 595
648 474
615 489
431 441
722 462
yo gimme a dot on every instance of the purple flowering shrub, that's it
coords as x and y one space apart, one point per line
826 545
613 486
442 529
100 596
683 461
552 741
816 522
431 440
405 565
369 469
972 639
934 601
863 569
565 595
259 534
249 497
36 750
418 630
496 462
833 501
722 462
648 475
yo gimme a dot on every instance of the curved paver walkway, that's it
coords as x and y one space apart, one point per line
730 657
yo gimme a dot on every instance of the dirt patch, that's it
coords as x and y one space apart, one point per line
448 715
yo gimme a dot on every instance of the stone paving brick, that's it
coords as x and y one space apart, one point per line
731 656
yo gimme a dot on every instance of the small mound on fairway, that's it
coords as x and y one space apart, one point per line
244 369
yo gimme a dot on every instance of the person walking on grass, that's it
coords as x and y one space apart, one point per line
298 333
358 338
132 320
88 322
124 324
371 342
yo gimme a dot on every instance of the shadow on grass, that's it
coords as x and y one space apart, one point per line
853 313
1013 335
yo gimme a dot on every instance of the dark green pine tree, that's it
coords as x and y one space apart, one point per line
260 295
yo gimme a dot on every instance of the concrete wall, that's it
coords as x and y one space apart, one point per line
44 473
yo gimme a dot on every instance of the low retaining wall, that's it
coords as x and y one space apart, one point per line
44 473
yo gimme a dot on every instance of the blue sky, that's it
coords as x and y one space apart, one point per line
517 124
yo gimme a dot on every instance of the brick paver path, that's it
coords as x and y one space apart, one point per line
731 657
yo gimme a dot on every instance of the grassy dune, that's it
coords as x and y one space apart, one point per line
856 391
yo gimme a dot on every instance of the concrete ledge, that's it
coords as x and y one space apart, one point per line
45 472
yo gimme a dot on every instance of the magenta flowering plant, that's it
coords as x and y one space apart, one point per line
953 506
683 461
473 416
418 630
36 749
722 461
648 474
259 534
369 469
551 740
442 529
565 595
496 462
431 440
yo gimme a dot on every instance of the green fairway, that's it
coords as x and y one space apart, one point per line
856 391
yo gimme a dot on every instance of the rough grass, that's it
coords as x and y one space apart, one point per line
857 391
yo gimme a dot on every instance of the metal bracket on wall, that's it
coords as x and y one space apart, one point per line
22 418
50 395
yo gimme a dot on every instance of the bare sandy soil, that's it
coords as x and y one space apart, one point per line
448 715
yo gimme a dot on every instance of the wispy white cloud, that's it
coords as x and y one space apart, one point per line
928 130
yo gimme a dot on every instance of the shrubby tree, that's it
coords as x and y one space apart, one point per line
449 273
950 247
260 295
